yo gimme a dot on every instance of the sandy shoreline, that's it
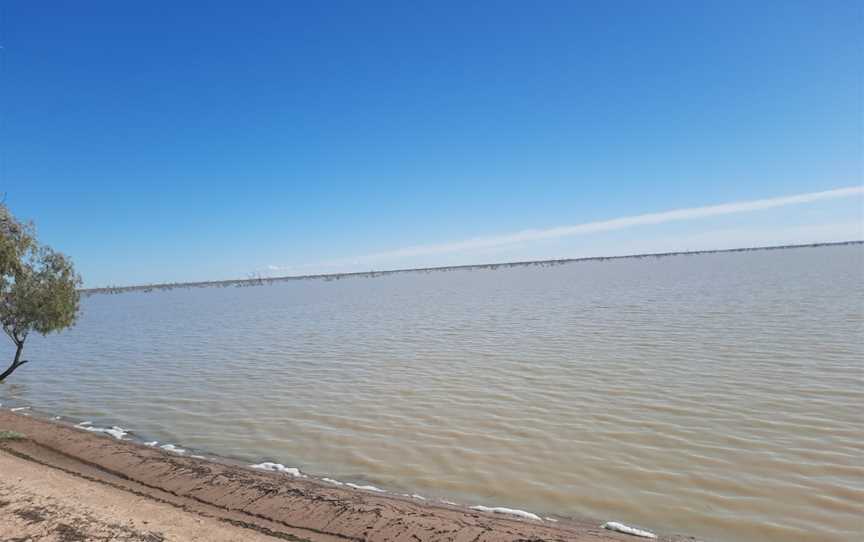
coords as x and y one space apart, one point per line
188 496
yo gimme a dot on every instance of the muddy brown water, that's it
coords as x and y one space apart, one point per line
717 395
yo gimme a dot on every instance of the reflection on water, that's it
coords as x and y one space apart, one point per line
716 395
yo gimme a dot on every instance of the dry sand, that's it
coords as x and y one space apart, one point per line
62 483
39 503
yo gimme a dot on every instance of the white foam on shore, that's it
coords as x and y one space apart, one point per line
626 529
20 408
553 520
279 467
365 488
119 433
116 432
509 511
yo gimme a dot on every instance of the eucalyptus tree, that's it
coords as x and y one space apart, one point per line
38 286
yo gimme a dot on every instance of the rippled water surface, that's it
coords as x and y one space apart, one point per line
717 395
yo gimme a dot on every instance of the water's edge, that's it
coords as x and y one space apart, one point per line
129 436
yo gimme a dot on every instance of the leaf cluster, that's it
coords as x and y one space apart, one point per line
38 285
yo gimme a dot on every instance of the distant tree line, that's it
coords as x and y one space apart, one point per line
255 279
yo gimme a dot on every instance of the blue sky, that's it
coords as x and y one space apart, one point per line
161 141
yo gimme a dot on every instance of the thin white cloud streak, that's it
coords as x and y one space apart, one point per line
528 236
677 215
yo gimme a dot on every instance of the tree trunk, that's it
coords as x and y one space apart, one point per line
18 362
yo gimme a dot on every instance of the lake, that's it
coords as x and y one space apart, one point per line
718 395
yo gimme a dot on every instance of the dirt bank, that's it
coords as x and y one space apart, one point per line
60 481
39 503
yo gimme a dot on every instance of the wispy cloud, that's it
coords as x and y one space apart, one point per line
527 236
693 213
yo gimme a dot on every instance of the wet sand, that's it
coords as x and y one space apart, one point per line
63 483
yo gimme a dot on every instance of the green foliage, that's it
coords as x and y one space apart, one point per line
11 435
38 286
16 239
43 296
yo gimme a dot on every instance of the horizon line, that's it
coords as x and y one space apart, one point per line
254 281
